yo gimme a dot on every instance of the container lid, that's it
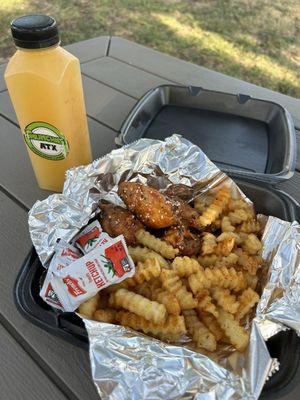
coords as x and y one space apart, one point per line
242 135
34 31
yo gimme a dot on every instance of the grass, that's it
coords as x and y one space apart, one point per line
257 41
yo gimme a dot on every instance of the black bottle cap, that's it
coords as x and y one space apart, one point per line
34 31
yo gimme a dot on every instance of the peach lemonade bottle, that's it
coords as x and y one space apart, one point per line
44 83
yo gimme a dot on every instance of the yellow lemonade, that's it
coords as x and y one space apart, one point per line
46 91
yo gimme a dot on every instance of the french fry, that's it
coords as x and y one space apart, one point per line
215 209
237 335
226 243
201 203
88 308
209 243
144 290
227 261
169 300
205 303
185 283
225 236
251 226
171 329
212 324
246 300
172 283
150 310
145 271
208 261
225 300
235 204
251 280
105 315
185 266
248 263
201 336
158 245
252 244
241 237
227 278
226 225
143 253
116 286
155 284
103 299
217 224
238 216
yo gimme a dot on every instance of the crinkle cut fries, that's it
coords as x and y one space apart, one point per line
196 267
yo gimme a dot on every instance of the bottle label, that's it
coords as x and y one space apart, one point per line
46 141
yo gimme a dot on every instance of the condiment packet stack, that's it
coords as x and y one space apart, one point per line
75 276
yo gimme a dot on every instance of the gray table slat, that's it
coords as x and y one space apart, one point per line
16 183
20 377
89 49
106 104
2 81
190 74
6 107
66 364
102 138
122 76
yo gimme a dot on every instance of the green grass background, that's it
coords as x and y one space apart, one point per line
254 40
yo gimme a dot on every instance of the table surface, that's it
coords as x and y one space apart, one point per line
115 72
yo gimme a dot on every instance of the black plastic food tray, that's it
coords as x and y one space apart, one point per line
249 137
284 346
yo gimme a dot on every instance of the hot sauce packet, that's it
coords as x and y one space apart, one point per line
91 237
105 265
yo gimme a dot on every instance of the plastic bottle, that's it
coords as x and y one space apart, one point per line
44 83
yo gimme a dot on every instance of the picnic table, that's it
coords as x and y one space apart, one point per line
116 72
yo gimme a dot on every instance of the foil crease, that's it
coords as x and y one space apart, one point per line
129 365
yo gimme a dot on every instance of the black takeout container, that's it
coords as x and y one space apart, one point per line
224 126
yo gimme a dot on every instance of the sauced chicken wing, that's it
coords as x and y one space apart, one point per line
151 207
117 220
180 195
181 238
179 191
186 213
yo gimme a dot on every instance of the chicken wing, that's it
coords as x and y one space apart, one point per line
117 220
180 195
179 191
181 238
151 207
186 213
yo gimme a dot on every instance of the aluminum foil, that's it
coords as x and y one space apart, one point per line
129 365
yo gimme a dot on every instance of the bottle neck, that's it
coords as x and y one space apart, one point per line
43 49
